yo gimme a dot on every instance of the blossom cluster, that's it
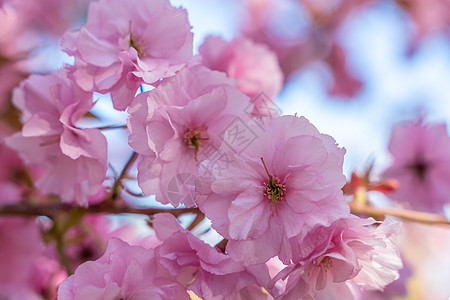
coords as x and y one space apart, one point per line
208 136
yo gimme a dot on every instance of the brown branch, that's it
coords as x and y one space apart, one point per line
52 210
410 215
222 245
198 218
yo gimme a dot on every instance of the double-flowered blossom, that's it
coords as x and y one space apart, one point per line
123 272
286 182
421 160
126 43
72 160
175 126
353 249
204 270
181 263
254 67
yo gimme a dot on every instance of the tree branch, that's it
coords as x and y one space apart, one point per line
51 210
410 215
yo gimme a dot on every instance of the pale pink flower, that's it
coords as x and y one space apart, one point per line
123 272
254 67
175 126
204 270
349 249
73 159
395 289
126 43
421 163
285 183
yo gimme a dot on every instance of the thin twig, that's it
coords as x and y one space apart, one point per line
112 127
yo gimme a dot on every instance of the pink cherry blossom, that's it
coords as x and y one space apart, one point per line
126 43
285 183
421 163
175 126
207 272
349 249
123 272
73 160
254 66
395 289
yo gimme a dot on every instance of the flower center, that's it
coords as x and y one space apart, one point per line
326 263
275 191
419 168
138 46
194 138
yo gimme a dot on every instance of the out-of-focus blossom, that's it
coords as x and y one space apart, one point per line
10 175
126 43
73 159
349 249
20 247
421 163
287 181
301 32
10 77
177 125
16 41
429 18
345 84
123 272
88 240
50 16
205 271
254 66
426 248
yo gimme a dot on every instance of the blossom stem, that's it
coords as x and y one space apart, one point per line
410 215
